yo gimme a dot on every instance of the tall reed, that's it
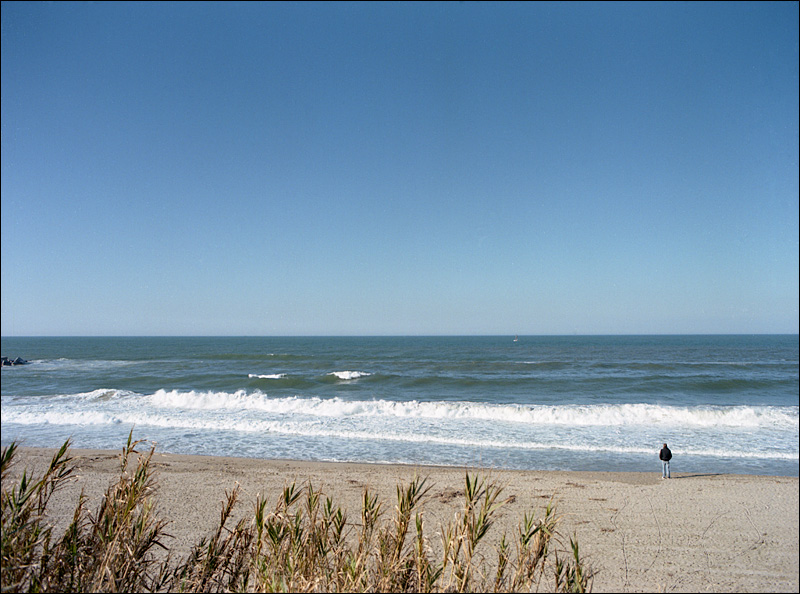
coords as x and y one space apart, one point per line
110 550
304 542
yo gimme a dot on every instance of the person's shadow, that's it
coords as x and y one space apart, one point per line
685 476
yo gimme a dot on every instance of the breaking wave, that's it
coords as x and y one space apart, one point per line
349 375
783 417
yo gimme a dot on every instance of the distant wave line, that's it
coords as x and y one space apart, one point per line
349 375
342 375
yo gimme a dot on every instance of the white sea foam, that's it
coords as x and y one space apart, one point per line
599 415
267 376
56 417
564 415
199 400
566 428
306 429
349 375
100 394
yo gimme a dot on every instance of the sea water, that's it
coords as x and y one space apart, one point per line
724 404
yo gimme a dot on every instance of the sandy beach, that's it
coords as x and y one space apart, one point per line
639 533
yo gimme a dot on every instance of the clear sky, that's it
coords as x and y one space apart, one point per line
392 168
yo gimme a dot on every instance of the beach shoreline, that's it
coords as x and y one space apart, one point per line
692 533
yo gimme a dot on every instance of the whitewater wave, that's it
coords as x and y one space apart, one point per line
65 418
267 376
349 375
98 395
780 417
80 365
315 431
569 415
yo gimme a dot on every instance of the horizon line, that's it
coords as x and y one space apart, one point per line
392 335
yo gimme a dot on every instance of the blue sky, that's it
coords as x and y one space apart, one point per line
392 168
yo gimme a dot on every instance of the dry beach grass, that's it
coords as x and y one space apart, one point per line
692 533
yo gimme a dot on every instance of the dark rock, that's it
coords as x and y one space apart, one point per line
17 361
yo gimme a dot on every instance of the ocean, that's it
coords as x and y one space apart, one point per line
724 404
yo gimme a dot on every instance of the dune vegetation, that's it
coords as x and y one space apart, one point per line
302 542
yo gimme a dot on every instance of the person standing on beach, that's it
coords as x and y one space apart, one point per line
665 456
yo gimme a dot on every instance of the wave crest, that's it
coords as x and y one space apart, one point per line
349 375
565 415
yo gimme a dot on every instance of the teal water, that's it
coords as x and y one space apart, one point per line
723 403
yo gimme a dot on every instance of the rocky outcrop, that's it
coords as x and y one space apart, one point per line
17 361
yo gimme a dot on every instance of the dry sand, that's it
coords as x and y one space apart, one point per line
639 533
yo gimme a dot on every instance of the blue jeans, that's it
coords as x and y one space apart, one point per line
665 469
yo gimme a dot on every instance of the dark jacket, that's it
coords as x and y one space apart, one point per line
665 454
